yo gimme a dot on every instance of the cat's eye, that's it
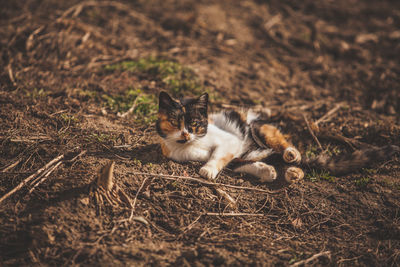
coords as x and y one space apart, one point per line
193 124
174 122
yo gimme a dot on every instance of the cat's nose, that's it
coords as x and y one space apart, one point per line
185 135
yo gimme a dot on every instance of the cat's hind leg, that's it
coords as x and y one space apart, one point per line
265 172
266 135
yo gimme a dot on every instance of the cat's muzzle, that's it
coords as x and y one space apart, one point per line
185 137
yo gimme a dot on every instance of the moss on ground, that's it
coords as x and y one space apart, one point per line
178 79
320 175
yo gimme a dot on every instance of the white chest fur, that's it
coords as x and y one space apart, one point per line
193 151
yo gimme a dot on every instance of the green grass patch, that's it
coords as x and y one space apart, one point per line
87 94
333 151
101 138
179 80
36 93
313 151
320 175
68 119
370 171
145 105
363 182
137 162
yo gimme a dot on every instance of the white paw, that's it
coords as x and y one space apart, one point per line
291 155
208 172
266 172
293 174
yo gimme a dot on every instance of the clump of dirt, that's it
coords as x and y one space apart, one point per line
80 80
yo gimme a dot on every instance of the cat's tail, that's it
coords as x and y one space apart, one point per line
343 164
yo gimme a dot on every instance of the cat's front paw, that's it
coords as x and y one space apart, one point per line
293 174
291 155
267 173
208 172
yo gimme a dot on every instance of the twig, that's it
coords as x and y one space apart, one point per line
58 112
233 214
201 181
38 172
190 226
29 41
83 152
351 259
328 115
225 195
12 165
312 133
135 199
324 253
45 176
30 139
11 75
272 22
123 115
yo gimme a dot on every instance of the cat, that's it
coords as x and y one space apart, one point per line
241 138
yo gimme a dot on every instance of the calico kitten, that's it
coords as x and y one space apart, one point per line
242 139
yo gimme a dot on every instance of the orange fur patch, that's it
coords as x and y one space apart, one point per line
243 115
165 125
274 138
162 116
224 161
164 149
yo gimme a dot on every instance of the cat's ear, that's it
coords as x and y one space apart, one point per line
202 101
165 101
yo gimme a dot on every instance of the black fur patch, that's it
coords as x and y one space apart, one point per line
159 131
236 163
255 132
235 117
166 102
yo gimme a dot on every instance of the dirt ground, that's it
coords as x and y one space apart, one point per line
71 69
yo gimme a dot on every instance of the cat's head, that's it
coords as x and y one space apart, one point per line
182 121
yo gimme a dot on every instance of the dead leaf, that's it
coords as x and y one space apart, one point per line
105 178
297 223
366 37
84 201
140 219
